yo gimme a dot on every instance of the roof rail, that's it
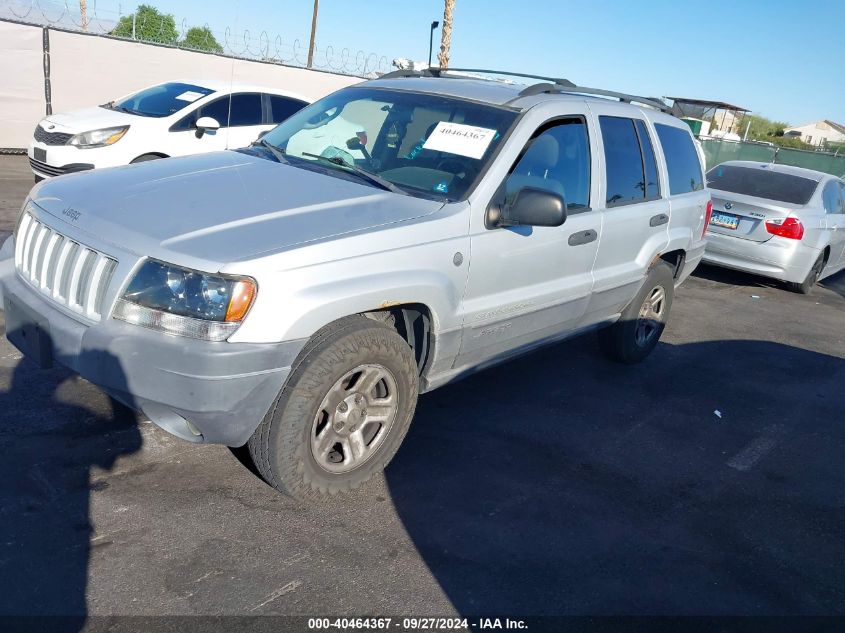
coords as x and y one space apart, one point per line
549 85
621 96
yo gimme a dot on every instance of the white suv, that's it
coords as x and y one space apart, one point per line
171 119
296 298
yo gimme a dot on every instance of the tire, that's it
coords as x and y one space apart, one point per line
307 443
810 280
633 337
145 157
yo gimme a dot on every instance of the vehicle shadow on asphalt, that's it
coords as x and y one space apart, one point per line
50 448
562 483
729 277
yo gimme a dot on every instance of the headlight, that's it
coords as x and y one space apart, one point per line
98 138
186 302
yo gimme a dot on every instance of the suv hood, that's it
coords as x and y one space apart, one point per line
218 208
89 119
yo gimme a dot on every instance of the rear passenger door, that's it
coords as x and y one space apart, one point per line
526 284
634 208
833 198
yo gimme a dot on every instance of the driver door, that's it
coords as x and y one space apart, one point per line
527 284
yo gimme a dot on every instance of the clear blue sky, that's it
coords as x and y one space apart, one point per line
780 58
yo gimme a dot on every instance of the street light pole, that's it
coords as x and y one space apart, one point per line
434 25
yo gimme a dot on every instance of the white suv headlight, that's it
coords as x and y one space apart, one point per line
98 138
186 302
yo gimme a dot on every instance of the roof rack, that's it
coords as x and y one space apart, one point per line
621 96
439 72
549 85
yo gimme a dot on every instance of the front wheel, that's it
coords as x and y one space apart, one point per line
636 333
343 412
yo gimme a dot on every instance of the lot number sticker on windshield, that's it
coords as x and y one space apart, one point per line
457 138
189 96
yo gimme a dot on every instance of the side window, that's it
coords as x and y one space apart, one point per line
246 110
217 110
623 161
282 107
557 160
832 197
652 186
681 159
842 197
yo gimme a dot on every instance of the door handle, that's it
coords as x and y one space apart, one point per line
657 220
582 237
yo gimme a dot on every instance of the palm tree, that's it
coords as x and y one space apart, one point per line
446 34
83 14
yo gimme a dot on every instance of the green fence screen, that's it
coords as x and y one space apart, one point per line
717 152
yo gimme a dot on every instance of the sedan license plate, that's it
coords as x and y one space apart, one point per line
39 154
726 220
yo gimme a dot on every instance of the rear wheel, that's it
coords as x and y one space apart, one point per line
810 280
343 412
636 333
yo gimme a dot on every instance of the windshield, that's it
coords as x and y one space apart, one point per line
421 143
161 101
762 183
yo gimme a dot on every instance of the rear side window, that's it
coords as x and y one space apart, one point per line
652 188
624 165
282 107
832 197
681 159
762 183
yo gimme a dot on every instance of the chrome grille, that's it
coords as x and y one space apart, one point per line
67 272
51 138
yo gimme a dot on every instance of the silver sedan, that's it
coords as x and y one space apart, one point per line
783 222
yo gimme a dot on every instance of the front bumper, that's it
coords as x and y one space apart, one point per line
67 159
197 390
777 258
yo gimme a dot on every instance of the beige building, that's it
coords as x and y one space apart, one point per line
818 133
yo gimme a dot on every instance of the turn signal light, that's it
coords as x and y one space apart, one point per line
790 228
242 295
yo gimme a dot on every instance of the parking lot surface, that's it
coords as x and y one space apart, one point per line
707 480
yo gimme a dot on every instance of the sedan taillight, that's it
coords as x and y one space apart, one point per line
790 228
708 213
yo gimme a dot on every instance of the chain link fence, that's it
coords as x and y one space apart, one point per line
717 152
165 30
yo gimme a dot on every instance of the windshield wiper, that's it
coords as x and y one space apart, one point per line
363 173
278 153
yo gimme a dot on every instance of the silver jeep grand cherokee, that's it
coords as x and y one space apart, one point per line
297 295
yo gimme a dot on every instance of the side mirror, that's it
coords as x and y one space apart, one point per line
355 143
206 124
530 207
262 134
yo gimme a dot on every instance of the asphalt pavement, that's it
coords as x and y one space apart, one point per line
707 480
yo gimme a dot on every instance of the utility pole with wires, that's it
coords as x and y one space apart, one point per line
313 34
446 34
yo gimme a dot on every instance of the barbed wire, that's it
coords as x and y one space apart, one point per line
263 46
